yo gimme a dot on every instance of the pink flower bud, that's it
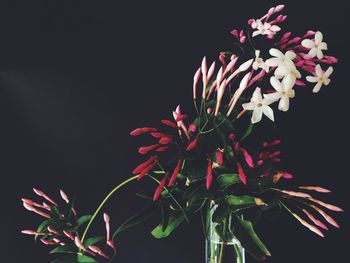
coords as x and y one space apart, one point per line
314 220
234 32
52 230
193 128
328 218
32 232
69 235
195 82
211 70
64 196
42 194
108 228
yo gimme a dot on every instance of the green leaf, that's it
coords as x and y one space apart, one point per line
43 226
85 259
66 249
83 220
165 216
136 219
65 259
240 202
174 221
226 180
243 230
93 240
55 212
248 131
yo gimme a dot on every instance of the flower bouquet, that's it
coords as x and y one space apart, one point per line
215 164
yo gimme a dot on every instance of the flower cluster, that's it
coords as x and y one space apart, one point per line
214 157
61 229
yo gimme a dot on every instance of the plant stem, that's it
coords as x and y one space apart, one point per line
222 249
238 253
103 203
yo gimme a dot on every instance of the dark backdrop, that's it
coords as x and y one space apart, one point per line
77 76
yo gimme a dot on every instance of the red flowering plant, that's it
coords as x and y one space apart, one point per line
208 160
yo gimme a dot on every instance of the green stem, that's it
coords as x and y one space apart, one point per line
238 253
222 249
103 203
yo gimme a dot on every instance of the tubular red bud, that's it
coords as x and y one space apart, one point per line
248 158
146 170
159 189
147 149
209 178
175 173
143 130
143 165
219 156
192 145
169 123
241 173
162 149
165 140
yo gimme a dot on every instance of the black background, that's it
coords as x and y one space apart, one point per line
77 76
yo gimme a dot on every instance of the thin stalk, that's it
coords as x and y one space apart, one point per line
238 253
104 202
222 250
172 197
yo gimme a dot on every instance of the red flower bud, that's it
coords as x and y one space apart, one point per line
166 140
209 178
169 123
143 130
241 173
192 145
158 134
143 165
248 158
146 170
147 149
219 156
159 189
175 173
162 149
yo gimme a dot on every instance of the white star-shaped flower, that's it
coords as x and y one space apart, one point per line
283 62
264 28
259 62
284 91
259 106
320 78
316 46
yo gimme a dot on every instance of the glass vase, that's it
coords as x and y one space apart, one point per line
217 249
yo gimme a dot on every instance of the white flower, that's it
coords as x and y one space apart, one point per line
321 77
316 46
264 28
283 62
259 62
259 106
284 91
